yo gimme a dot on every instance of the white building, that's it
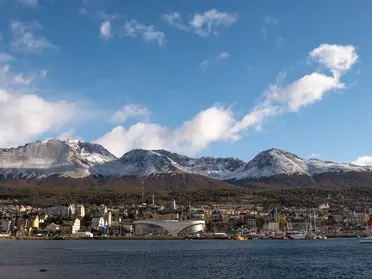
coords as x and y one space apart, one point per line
76 226
80 210
97 222
102 210
71 210
108 218
56 211
172 227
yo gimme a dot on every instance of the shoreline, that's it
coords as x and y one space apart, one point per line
147 238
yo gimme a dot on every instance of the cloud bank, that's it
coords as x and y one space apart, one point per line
218 123
363 161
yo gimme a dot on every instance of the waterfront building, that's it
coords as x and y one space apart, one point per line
102 210
251 223
169 227
43 218
71 210
97 222
76 226
35 222
80 211
108 218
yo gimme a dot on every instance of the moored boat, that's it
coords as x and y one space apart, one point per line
240 237
294 235
367 239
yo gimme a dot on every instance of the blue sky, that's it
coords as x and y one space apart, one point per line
203 78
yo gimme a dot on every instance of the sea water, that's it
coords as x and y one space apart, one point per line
92 259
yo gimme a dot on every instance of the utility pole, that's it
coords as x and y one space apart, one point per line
143 191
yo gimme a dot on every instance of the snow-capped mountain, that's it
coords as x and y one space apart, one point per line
217 168
139 162
50 157
275 162
78 159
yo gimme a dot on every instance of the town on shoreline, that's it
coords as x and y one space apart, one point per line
169 220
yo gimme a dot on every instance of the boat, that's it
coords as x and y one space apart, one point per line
294 235
240 237
367 239
277 236
216 236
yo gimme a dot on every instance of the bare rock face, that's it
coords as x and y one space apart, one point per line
50 157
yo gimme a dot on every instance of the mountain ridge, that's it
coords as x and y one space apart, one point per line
75 159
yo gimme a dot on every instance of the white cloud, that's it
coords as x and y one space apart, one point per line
206 24
300 93
11 80
363 161
279 100
271 20
99 15
337 58
175 19
133 28
204 65
22 80
208 126
130 111
25 116
314 155
304 91
105 30
5 57
29 3
216 123
24 40
223 55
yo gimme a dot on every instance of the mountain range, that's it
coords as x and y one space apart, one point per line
79 163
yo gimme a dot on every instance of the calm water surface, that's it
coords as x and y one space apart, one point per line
185 259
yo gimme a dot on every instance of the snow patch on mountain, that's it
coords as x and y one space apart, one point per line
52 157
139 162
275 162
217 168
78 159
